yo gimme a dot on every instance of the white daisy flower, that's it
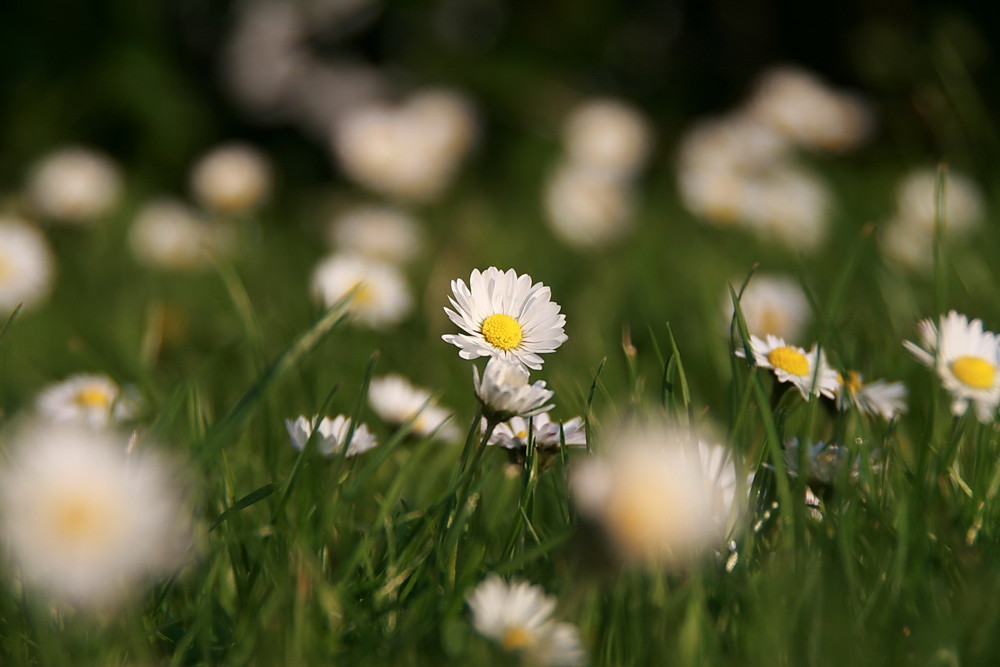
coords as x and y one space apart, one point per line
86 520
588 207
380 232
75 185
513 433
518 617
773 305
94 400
332 434
381 297
397 401
504 391
660 495
233 178
916 201
26 265
608 134
808 371
504 316
886 399
169 234
965 358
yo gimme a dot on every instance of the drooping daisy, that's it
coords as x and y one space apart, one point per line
808 371
90 399
332 434
380 297
397 401
504 391
886 399
824 461
84 519
965 358
518 617
233 178
26 266
504 316
773 305
381 232
74 185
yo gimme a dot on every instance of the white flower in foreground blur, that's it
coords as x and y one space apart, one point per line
504 316
504 391
808 371
886 399
380 232
773 305
588 207
397 401
608 134
332 435
233 178
518 617
85 520
93 400
965 358
916 201
169 234
380 295
74 185
26 266
660 495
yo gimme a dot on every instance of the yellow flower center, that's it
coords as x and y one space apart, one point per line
83 519
521 435
853 382
789 360
501 331
362 294
516 637
974 372
93 397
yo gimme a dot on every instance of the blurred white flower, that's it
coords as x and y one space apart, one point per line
85 520
75 185
608 134
733 143
774 305
660 495
89 399
169 234
27 268
518 617
808 371
332 435
233 178
791 206
587 206
965 358
886 399
381 296
397 401
916 197
504 391
504 316
380 232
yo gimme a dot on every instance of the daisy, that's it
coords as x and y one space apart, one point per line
504 316
886 399
504 391
93 400
965 358
26 266
808 371
397 401
608 134
380 232
332 434
233 178
84 519
75 185
916 201
587 206
518 617
380 295
547 436
169 234
773 305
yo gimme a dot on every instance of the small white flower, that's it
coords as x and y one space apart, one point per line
504 391
380 232
26 266
916 200
332 435
773 305
75 185
587 206
513 433
607 134
380 297
397 401
84 519
505 316
965 358
233 178
808 371
886 399
518 617
169 234
94 400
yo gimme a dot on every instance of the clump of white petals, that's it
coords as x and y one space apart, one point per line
607 134
588 206
380 232
85 520
882 398
396 400
232 179
504 391
89 399
544 432
169 234
380 296
771 305
332 434
27 268
75 185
